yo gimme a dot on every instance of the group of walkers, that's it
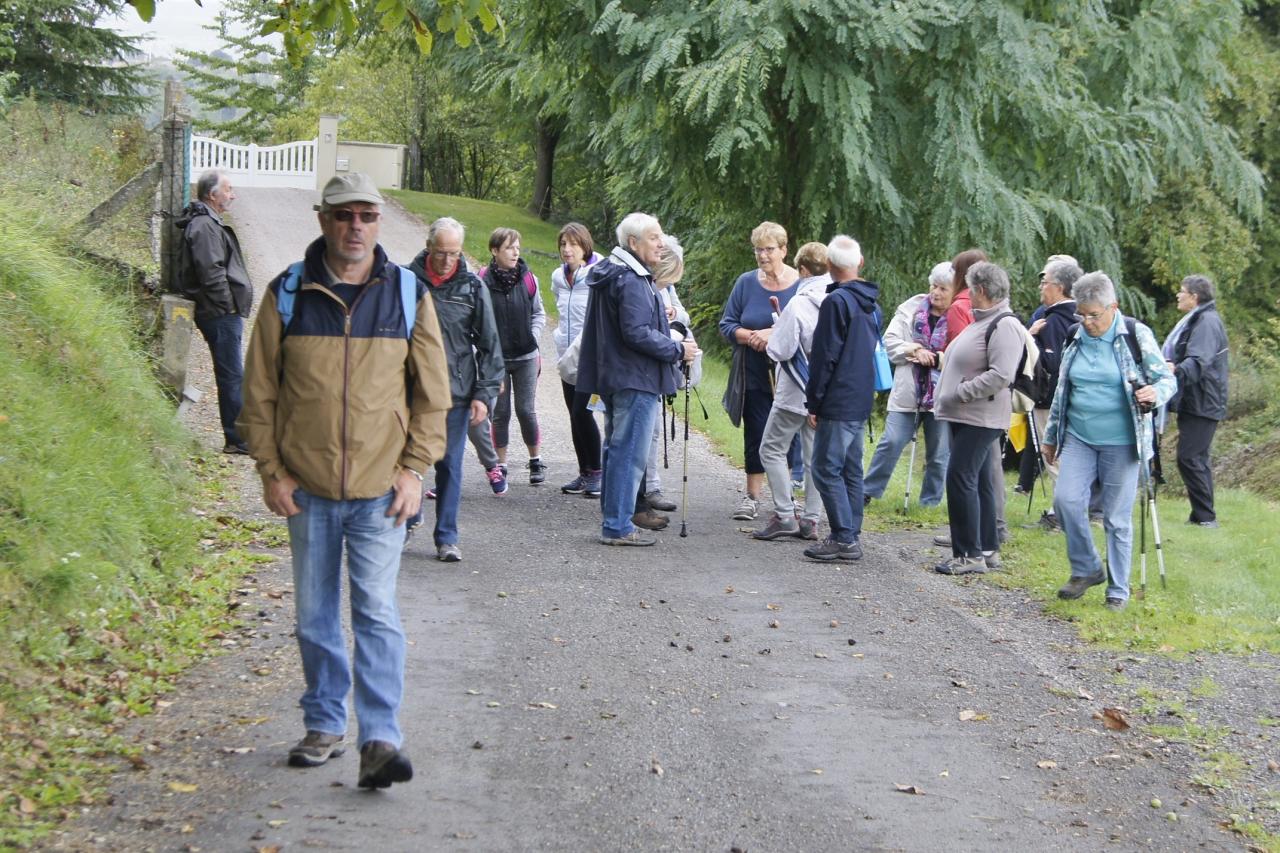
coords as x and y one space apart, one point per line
357 387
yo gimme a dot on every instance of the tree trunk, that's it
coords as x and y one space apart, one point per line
547 135
413 165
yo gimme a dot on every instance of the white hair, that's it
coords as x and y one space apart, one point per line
942 273
1094 288
670 268
636 225
445 223
844 253
208 183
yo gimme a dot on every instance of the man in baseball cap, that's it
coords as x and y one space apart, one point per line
343 189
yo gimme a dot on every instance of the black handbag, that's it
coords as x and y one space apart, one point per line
735 391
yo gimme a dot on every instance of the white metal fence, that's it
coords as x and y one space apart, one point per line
290 165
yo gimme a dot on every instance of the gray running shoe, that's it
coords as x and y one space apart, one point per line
829 549
962 566
448 553
777 528
659 501
315 749
747 510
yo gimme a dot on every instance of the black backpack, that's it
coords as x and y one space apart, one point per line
1032 385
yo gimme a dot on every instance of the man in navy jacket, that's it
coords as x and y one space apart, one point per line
628 357
839 395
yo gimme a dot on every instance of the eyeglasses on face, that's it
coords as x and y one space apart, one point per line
1092 317
343 214
766 250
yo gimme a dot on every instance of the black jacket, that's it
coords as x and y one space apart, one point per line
1200 365
471 343
841 363
513 309
213 274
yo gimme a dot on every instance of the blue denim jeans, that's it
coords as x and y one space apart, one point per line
449 475
223 335
372 542
628 429
1116 468
837 472
898 428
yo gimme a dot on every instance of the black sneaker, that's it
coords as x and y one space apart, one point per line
1049 522
829 549
576 486
537 472
1115 603
962 566
591 484
315 749
1077 587
381 764
236 448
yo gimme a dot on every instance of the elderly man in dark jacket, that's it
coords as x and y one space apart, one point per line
475 366
1196 350
214 277
628 357
839 394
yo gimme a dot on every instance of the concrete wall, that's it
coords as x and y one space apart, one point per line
384 163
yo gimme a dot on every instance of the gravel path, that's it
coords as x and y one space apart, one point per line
710 693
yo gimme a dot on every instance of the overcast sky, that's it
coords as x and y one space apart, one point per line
177 24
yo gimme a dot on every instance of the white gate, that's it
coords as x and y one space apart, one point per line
290 165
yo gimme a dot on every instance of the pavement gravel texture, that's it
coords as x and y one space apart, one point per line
708 693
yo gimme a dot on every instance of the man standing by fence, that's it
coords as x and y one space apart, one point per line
344 412
213 276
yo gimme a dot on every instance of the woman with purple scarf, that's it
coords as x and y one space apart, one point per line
914 341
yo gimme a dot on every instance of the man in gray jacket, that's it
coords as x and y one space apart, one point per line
214 277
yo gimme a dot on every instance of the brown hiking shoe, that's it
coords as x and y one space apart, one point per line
1077 587
650 520
381 764
315 749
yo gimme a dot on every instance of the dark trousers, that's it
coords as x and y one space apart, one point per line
756 406
971 498
223 335
1195 435
583 428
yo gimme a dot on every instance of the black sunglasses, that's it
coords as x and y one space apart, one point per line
342 214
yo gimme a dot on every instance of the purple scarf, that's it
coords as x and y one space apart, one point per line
934 341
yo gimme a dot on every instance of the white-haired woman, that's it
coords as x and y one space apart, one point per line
914 340
1100 429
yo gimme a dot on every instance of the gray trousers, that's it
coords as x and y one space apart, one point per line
779 430
481 436
995 470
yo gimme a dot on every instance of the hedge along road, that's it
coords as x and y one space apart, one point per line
709 693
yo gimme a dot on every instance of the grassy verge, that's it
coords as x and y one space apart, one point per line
537 238
105 592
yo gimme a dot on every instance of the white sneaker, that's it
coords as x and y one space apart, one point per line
747 510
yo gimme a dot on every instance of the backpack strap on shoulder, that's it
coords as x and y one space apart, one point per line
1131 326
287 293
408 299
530 283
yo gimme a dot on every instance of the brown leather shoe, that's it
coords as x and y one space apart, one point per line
650 520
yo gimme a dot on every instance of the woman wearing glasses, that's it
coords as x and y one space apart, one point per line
747 323
1099 419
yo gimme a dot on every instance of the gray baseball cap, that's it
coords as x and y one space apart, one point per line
353 186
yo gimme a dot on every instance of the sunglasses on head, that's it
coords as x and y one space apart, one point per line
342 214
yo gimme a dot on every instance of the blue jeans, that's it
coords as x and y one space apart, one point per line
898 429
449 475
223 335
837 472
628 429
373 543
1116 468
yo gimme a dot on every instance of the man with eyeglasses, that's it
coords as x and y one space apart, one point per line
345 398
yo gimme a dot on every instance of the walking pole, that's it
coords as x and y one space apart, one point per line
911 466
684 477
1155 529
1035 447
1144 481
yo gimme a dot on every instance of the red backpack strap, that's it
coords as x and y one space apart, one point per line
530 282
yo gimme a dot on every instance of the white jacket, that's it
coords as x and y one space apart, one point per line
793 330
898 342
571 303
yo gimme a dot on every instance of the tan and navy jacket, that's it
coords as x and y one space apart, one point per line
341 400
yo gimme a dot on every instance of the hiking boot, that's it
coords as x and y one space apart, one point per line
650 520
942 541
591 484
449 552
382 764
962 566
1076 587
992 560
777 528
497 480
635 537
808 529
1115 603
315 749
829 549
1049 522
537 472
236 448
1095 518
575 486
657 500
747 510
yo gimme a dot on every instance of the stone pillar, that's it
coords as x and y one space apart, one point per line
326 150
175 182
179 321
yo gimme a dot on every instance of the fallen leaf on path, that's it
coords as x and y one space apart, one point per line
773 606
546 705
955 682
822 655
909 789
728 590
493 704
970 715
1113 718
1046 764
183 787
26 805
775 623
835 623
473 692
270 848
237 750
655 768
945 774
817 771
276 824
1273 766
1084 694
502 594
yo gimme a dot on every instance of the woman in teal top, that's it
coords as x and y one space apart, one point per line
1100 409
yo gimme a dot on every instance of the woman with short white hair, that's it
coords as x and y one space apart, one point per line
1111 375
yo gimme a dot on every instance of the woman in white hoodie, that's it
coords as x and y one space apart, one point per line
914 342
789 346
568 284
